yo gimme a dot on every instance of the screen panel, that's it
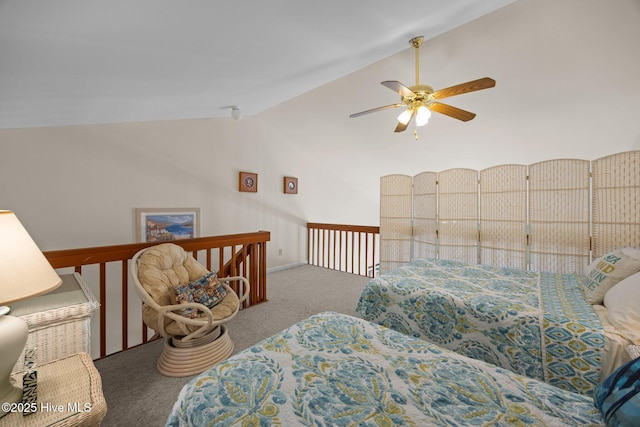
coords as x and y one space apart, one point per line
425 209
559 215
395 221
503 216
458 215
616 202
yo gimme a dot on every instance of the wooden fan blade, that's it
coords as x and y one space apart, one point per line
483 83
373 110
401 127
398 87
450 111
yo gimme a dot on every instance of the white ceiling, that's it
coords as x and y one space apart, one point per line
68 62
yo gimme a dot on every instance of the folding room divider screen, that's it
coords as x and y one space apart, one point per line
555 215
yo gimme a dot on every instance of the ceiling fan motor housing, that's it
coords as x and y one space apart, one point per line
422 94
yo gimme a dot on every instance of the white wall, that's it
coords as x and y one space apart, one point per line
567 86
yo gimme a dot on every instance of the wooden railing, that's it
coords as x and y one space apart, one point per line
350 248
108 266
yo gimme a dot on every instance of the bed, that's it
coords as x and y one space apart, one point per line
534 324
337 370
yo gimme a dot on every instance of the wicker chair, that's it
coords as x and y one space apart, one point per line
192 344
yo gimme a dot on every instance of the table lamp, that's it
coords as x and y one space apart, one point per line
24 273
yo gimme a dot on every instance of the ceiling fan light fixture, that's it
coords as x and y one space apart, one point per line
422 115
405 116
421 100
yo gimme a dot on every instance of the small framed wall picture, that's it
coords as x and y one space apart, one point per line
290 185
248 182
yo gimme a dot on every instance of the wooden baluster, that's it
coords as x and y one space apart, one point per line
221 261
366 253
125 304
263 272
103 309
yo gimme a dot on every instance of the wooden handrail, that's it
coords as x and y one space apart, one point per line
350 248
345 227
84 256
248 261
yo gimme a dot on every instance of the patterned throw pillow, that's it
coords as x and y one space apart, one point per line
618 396
603 273
207 290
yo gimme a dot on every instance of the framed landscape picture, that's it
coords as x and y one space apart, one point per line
167 224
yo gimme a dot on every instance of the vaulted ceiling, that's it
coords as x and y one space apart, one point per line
68 62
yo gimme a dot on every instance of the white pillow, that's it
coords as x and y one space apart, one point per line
623 307
631 252
604 272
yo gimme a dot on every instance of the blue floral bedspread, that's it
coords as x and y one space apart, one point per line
534 324
337 370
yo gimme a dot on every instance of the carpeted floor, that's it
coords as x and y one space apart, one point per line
137 394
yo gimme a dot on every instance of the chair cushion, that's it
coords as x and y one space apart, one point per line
206 290
162 267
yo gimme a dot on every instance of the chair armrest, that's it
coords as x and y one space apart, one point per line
168 311
182 321
245 288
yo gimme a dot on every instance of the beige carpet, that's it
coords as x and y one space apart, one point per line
137 394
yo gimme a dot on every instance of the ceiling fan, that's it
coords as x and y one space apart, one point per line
420 100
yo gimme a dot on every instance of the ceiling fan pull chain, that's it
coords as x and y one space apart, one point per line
415 133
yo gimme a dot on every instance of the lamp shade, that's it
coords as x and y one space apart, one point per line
24 270
422 117
405 116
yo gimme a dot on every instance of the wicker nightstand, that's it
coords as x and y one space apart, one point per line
69 394
59 322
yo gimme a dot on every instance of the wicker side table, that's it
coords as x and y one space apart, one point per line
59 322
69 394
